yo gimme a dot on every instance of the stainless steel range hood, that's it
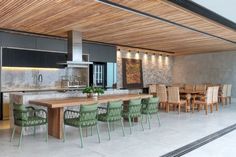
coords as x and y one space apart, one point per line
75 58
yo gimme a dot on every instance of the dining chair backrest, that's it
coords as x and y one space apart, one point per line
189 87
151 104
134 107
114 109
20 112
161 93
173 95
215 94
209 95
224 90
152 88
200 87
229 87
88 114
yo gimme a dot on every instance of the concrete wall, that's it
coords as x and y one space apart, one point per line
156 69
206 68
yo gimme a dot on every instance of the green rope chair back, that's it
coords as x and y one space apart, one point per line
28 116
150 105
20 113
114 110
88 115
134 108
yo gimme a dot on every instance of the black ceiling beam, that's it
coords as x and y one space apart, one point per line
199 9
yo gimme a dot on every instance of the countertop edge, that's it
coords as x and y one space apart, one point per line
42 90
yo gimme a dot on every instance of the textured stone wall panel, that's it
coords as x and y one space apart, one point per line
155 69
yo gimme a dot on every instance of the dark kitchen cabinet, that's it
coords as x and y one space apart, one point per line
51 44
31 58
17 40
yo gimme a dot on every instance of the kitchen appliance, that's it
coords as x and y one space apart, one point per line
71 82
75 55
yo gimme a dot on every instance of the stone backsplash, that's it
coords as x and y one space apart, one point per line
156 69
25 78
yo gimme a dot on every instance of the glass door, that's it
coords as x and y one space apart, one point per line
99 74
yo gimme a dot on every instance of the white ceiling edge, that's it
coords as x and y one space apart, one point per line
225 8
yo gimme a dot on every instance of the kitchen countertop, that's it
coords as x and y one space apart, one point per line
40 89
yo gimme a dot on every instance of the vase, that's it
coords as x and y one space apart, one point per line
92 95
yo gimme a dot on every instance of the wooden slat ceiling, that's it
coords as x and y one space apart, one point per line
103 23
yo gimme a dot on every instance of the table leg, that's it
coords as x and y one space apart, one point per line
55 122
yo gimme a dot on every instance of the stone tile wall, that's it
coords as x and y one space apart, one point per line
25 79
156 69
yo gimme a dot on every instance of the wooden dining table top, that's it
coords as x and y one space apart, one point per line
74 101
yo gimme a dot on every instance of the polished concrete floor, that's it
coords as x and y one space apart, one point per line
175 131
221 147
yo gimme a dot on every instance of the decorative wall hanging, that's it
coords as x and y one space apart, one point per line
132 73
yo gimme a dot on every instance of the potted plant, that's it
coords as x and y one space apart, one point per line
98 90
93 92
89 91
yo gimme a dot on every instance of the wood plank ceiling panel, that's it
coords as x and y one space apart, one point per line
103 23
172 12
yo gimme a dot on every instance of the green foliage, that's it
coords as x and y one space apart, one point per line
88 89
98 90
91 89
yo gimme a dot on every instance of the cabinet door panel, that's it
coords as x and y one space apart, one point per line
30 58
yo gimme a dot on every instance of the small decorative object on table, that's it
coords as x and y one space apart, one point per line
93 92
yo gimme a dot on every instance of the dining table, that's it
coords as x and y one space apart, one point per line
55 107
189 94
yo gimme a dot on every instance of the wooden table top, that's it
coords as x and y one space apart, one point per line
64 102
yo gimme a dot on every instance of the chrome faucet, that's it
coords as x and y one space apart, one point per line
40 78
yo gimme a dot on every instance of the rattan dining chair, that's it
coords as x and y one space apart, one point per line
133 110
229 88
149 108
86 117
223 94
174 99
206 102
152 89
28 117
162 95
200 87
215 96
189 87
112 114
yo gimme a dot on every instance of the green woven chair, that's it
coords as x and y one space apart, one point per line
150 107
112 114
28 117
86 117
133 111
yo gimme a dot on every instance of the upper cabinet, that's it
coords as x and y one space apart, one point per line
17 40
32 42
51 44
100 52
31 58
